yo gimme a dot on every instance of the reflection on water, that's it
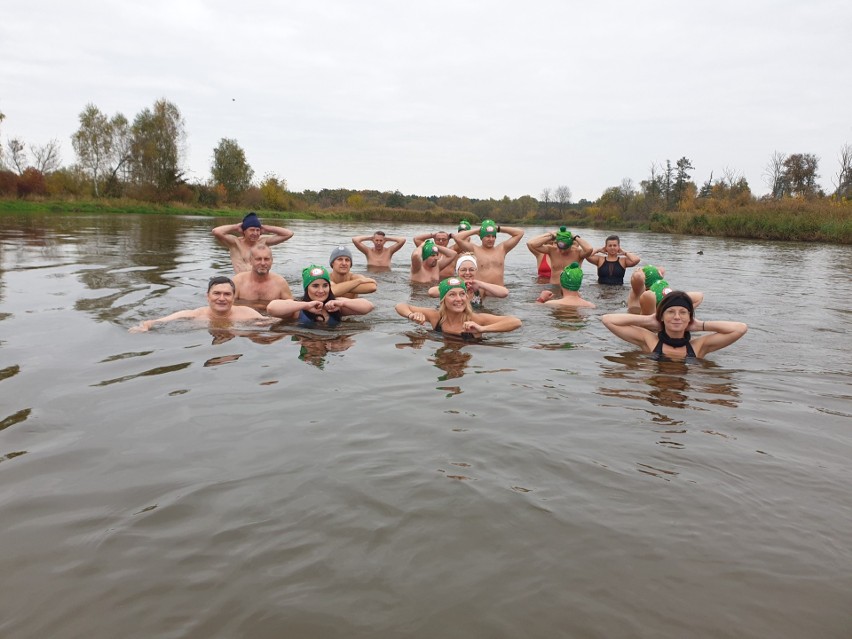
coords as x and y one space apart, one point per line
672 383
314 349
339 521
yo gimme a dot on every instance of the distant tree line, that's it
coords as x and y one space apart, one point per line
143 159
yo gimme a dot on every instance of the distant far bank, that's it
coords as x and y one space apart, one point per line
788 219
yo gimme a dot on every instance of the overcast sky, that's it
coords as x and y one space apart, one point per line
483 99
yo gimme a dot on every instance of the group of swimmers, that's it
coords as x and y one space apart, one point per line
659 320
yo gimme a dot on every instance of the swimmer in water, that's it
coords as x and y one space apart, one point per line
477 290
490 255
250 232
454 315
562 249
612 261
668 332
318 304
570 282
219 312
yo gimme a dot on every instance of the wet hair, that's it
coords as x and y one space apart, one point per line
675 298
613 237
220 279
382 233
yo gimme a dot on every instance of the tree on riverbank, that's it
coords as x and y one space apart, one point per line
230 168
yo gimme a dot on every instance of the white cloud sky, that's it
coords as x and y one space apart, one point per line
483 99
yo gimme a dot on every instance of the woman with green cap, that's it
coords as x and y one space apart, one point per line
570 281
668 331
454 315
318 304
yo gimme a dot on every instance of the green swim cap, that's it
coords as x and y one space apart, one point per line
428 249
464 225
661 288
571 277
314 272
564 238
652 274
489 227
450 283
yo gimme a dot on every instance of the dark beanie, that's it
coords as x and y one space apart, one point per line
251 220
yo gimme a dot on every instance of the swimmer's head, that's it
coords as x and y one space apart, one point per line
464 225
571 277
449 284
660 288
428 250
564 238
488 227
314 272
251 220
466 257
220 279
340 251
675 298
652 274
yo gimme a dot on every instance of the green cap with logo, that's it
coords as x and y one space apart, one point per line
314 272
450 283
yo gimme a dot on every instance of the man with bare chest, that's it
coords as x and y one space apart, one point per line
260 283
380 253
240 238
563 248
490 256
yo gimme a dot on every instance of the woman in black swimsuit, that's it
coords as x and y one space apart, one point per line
668 331
612 261
454 316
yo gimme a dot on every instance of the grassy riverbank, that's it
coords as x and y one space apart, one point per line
785 220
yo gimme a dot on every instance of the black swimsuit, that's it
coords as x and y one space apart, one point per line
464 335
611 273
665 339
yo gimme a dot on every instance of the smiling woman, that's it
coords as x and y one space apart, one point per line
667 332
454 315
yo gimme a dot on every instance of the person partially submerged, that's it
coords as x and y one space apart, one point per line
668 332
219 312
454 315
318 304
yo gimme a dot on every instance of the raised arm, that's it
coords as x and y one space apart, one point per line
359 240
515 235
632 328
397 242
537 244
225 234
585 248
463 239
723 334
422 237
272 235
629 259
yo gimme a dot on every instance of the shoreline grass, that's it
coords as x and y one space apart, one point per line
794 220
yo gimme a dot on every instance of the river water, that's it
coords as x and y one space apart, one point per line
375 481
